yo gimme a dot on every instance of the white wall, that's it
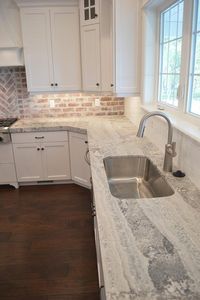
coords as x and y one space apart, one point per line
188 150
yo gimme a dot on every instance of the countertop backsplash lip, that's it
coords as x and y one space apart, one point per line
139 238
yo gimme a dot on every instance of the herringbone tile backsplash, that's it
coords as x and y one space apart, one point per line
15 100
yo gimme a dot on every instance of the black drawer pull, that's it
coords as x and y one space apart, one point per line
39 137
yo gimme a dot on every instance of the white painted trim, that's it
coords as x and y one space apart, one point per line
158 3
45 3
183 124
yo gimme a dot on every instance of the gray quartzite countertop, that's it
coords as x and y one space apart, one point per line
150 247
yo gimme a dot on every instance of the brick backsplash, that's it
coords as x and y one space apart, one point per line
15 100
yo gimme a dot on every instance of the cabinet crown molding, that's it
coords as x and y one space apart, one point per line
39 3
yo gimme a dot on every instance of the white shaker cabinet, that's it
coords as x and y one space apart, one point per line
80 170
89 12
66 48
56 161
117 53
28 162
41 156
127 46
51 48
91 68
37 49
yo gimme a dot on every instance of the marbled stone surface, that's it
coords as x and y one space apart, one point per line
150 247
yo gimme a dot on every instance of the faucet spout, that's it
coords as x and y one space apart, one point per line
170 146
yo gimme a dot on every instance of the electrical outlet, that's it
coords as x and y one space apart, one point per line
97 102
51 103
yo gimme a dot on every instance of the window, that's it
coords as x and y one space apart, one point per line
194 80
179 65
170 53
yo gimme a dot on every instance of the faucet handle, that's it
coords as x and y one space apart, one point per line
171 149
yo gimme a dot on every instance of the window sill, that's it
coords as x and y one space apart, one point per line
180 123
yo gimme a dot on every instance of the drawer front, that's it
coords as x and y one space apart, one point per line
7 173
32 137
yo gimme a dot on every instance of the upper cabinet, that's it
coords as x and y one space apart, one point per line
117 57
94 47
89 12
52 48
91 69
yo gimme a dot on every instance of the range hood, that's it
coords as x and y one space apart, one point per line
11 51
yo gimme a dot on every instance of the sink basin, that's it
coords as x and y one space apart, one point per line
135 177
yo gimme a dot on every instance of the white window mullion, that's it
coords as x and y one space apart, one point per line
185 64
193 101
171 37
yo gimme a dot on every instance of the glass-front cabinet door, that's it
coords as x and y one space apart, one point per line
89 11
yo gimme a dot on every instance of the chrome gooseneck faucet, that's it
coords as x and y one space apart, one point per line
170 147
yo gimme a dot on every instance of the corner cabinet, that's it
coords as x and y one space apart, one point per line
116 54
80 170
51 40
41 156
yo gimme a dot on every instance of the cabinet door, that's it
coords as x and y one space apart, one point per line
66 48
37 49
90 43
107 51
127 46
28 161
80 170
55 157
89 12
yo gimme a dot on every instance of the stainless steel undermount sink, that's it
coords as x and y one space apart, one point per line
135 177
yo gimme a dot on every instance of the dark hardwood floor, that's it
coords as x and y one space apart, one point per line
47 249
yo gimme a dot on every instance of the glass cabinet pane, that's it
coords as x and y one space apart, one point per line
92 2
86 3
92 13
86 12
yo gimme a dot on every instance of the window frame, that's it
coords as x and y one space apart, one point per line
192 56
183 99
160 62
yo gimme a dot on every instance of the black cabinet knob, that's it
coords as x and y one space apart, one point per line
96 16
38 149
86 142
52 84
97 84
112 85
56 84
42 149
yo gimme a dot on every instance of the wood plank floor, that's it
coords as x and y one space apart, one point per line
47 249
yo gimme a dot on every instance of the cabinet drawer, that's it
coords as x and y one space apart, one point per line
32 137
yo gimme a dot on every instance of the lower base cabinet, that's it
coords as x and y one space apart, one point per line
28 162
7 167
80 169
56 161
51 156
45 160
